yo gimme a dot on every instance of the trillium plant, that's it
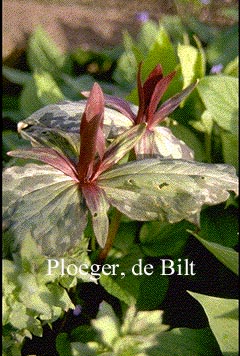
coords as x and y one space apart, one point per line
119 158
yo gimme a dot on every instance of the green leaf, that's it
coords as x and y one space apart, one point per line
223 320
191 65
226 255
232 68
43 54
220 96
186 342
220 224
224 46
47 89
230 148
164 239
167 190
107 324
45 202
15 75
116 290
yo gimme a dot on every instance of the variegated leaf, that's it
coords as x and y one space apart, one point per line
46 202
66 116
160 142
98 206
167 190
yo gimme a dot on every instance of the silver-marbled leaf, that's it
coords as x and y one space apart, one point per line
46 202
66 116
160 142
167 190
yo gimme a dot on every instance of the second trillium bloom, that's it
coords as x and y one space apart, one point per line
157 141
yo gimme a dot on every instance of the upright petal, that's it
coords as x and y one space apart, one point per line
91 134
157 94
119 147
149 85
171 104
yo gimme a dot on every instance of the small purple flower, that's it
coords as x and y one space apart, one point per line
216 69
77 311
205 2
142 16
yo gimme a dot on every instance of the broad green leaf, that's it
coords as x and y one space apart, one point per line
15 75
224 46
220 96
228 256
46 202
186 342
223 319
43 53
230 148
167 190
164 239
113 288
191 65
232 67
107 324
47 89
220 225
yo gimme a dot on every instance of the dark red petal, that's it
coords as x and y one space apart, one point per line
149 85
157 94
171 104
88 148
91 135
49 156
141 101
119 104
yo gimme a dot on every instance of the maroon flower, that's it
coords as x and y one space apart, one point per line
94 158
157 141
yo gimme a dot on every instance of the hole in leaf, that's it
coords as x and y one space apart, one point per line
160 186
130 181
95 215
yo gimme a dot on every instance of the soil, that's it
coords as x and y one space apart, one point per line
73 24
90 24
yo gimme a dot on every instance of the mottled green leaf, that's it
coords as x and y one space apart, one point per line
162 143
167 190
66 116
223 319
46 202
98 205
220 96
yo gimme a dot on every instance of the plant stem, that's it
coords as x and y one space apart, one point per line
113 228
208 148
